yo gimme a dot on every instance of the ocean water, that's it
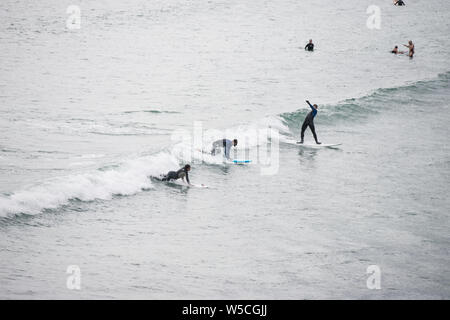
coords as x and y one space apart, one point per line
88 115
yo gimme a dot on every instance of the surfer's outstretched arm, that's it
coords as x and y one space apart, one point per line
312 107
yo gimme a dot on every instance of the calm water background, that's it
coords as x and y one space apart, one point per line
86 116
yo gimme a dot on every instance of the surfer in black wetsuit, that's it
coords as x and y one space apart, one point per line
399 3
309 122
310 46
175 175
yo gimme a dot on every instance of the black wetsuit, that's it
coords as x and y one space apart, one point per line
175 175
309 47
400 3
309 122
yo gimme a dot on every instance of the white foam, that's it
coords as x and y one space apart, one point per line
249 136
129 178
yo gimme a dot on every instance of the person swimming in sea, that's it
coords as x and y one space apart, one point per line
410 46
395 50
399 3
310 46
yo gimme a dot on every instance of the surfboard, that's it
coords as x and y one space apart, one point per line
180 183
312 144
241 161
315 145
198 185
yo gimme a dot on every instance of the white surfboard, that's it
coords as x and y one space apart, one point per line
315 145
312 144
198 185
180 183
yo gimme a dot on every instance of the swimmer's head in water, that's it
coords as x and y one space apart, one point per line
187 167
235 142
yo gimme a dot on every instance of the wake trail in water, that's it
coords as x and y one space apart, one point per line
132 176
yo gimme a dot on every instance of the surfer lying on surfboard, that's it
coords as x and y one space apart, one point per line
175 175
309 122
225 144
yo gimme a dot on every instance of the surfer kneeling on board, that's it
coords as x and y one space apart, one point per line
309 122
225 144
175 175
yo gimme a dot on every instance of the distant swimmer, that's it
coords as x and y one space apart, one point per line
309 122
310 46
175 175
399 3
395 50
225 144
410 46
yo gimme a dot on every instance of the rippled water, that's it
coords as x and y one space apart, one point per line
87 115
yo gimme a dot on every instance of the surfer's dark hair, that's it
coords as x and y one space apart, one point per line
188 166
235 141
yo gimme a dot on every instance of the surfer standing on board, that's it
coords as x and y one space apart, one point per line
309 122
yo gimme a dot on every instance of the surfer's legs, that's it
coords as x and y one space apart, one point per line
313 130
171 175
302 135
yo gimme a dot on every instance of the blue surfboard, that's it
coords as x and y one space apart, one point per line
241 161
